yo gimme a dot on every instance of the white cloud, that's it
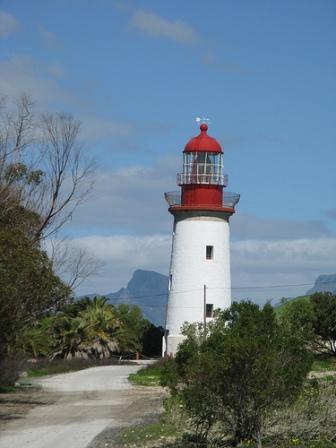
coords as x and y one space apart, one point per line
331 213
8 24
135 201
25 74
129 251
285 255
57 71
22 74
247 226
210 59
261 270
257 263
49 39
95 128
130 198
156 26
129 201
121 255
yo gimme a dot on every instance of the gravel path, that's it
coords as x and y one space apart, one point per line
82 405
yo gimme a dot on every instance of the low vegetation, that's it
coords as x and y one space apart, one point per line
147 434
86 329
324 363
256 379
307 423
81 334
43 367
149 375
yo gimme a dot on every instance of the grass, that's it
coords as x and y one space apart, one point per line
166 435
140 435
53 368
324 363
175 431
305 444
8 389
45 367
148 376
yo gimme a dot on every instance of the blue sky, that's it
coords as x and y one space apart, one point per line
138 73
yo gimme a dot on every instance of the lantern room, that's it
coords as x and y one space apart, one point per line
202 179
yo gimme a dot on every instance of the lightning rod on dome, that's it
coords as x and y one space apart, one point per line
200 120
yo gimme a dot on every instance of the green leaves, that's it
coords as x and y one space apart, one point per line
89 328
28 286
324 305
313 319
248 364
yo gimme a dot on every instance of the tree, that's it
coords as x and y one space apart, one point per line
132 328
42 165
88 328
324 304
72 263
44 176
28 286
84 329
299 316
247 366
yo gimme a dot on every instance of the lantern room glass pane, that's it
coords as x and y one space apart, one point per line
202 163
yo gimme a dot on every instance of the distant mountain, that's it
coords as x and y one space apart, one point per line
149 291
281 306
324 283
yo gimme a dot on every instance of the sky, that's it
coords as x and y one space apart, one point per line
137 73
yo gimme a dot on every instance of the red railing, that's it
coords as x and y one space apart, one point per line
229 199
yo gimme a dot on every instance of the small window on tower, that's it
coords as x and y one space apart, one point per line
209 310
209 253
170 281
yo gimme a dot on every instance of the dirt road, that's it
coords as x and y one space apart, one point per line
80 406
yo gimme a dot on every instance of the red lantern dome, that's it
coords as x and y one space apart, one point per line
202 179
203 142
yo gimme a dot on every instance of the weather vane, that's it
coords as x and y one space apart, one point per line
200 120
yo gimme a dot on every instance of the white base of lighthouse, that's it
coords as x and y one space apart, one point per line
200 256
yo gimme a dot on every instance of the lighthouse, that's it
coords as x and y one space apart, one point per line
199 275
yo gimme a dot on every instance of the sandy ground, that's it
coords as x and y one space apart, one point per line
80 409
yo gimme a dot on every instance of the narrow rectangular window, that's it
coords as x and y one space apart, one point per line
170 281
209 253
209 310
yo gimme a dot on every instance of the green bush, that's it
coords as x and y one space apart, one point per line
246 366
10 369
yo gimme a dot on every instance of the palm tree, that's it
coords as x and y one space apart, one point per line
94 329
100 323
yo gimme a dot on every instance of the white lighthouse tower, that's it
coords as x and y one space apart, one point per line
199 276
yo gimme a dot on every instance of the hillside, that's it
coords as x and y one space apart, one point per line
149 291
324 283
280 307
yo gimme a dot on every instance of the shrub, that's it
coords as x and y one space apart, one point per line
10 369
247 366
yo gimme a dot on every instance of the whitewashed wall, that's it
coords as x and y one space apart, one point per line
190 270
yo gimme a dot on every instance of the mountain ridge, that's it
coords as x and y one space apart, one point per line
324 283
149 291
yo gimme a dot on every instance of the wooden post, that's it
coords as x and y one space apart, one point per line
204 309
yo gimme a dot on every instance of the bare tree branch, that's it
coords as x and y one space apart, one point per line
74 264
69 176
44 171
